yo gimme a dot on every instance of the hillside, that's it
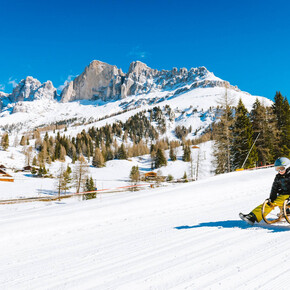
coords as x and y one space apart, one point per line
183 237
115 174
144 104
91 99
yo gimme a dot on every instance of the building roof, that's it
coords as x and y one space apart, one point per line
3 173
151 173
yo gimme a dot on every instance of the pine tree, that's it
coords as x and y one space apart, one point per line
172 154
262 133
122 154
23 141
186 154
44 171
134 174
160 159
115 146
57 149
5 141
90 186
98 159
67 179
62 153
281 110
41 171
110 154
185 177
34 161
223 135
278 108
242 139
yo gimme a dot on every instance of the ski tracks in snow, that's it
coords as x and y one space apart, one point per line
186 237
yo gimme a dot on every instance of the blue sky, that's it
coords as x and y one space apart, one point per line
244 42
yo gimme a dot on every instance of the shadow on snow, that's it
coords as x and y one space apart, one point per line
237 224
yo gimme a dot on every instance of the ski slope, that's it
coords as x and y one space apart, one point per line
185 236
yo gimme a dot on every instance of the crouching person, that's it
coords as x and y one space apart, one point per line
279 192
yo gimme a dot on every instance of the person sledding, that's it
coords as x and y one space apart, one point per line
279 193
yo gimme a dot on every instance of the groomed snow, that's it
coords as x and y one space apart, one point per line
185 236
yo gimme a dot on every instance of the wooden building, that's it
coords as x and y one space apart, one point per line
148 176
27 168
5 176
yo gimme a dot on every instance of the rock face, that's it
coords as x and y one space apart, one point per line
107 82
45 91
30 89
98 81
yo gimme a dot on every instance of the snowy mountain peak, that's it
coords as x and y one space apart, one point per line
190 93
30 89
106 82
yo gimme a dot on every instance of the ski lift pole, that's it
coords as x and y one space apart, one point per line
250 150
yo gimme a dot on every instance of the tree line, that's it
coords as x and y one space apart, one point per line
247 139
235 132
100 145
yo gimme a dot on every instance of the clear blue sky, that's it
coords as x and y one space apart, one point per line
244 42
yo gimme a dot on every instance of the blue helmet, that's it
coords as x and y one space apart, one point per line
282 162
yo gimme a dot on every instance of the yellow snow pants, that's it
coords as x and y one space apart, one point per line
278 202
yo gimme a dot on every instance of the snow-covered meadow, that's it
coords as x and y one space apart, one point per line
114 174
187 236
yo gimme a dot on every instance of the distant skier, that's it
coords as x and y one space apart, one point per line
279 192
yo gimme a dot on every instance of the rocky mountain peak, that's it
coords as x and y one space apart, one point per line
106 82
98 81
30 89
138 67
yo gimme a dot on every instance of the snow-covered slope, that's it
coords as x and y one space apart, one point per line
115 174
194 103
182 237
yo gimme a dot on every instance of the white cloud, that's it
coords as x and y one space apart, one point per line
12 82
67 81
138 52
2 87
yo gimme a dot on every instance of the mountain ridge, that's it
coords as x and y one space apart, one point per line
106 82
195 91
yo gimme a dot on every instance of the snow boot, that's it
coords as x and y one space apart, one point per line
248 218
